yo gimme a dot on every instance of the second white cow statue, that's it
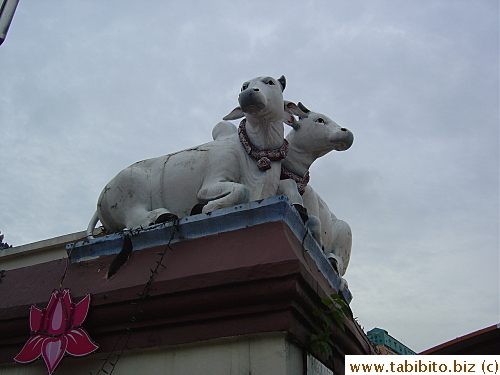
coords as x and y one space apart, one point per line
312 137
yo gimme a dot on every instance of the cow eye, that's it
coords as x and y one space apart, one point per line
269 81
320 120
244 87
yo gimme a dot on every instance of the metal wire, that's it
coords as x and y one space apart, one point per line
110 363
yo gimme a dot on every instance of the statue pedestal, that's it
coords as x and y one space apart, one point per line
235 296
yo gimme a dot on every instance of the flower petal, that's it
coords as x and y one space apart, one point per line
53 349
79 342
57 318
31 350
36 316
52 301
66 299
80 311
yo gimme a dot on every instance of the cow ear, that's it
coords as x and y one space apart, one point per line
282 81
292 122
289 120
294 109
303 107
234 114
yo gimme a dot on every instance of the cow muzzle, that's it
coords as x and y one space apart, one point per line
343 140
252 101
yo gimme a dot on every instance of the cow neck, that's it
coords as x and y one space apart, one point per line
297 161
296 165
263 157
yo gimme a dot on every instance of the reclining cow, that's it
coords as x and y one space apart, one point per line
218 174
311 138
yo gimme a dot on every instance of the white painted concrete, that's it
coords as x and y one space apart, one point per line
262 354
37 252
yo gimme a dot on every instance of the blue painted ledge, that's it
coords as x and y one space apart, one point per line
268 210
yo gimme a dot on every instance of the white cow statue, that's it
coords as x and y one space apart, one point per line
230 170
311 138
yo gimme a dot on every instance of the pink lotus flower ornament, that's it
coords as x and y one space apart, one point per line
56 330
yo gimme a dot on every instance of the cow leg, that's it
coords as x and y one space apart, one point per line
140 217
341 244
314 225
223 194
289 188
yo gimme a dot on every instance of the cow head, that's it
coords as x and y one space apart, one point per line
317 134
262 97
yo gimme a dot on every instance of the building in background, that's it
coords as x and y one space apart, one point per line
486 341
387 344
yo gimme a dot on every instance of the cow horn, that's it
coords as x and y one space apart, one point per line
282 81
303 107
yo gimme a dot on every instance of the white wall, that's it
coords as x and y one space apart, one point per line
261 354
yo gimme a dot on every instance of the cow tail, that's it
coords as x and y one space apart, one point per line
92 224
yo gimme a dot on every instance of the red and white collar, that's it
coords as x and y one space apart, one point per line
301 181
263 157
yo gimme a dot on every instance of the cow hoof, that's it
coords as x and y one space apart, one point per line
166 217
197 209
302 211
343 284
334 264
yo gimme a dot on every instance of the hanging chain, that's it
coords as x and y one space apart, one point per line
114 356
68 261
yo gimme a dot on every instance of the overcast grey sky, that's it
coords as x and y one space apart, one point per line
89 87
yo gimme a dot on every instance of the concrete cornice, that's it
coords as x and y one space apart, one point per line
246 270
